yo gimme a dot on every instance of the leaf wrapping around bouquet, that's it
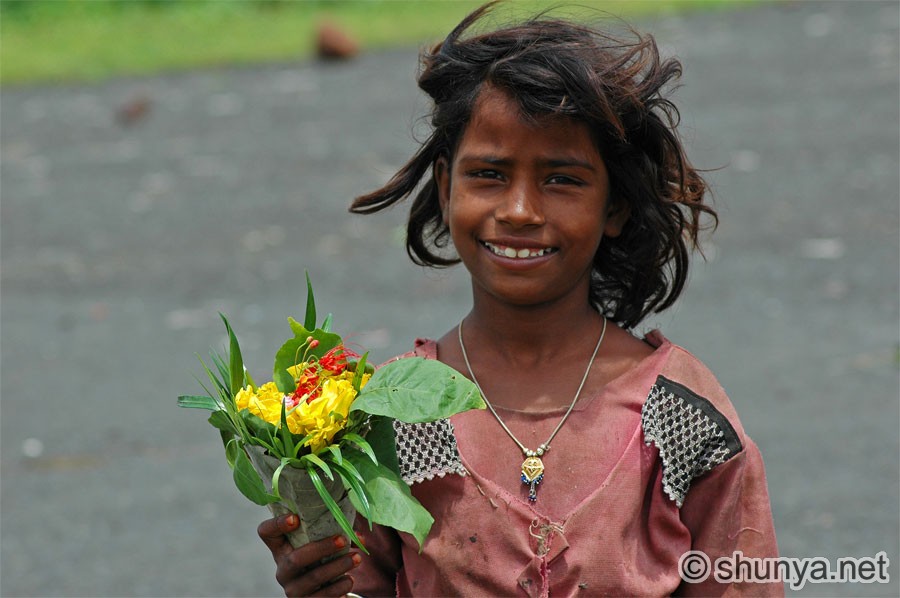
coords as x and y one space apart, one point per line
417 390
299 495
391 502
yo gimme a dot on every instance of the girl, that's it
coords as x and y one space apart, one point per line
555 171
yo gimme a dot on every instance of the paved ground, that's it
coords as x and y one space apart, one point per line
120 243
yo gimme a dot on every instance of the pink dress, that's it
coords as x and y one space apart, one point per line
654 466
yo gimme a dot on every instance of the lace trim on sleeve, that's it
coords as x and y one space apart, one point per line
691 435
427 450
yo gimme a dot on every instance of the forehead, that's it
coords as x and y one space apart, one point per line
497 120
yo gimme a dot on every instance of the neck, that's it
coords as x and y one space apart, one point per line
531 334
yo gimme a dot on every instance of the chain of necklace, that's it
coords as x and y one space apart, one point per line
532 467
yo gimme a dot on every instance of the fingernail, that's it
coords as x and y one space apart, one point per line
340 542
291 520
356 559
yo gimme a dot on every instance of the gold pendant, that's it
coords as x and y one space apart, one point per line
532 474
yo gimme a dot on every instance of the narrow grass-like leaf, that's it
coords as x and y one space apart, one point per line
326 325
235 361
309 322
354 481
351 469
334 508
232 448
359 370
224 374
335 450
277 475
287 438
226 438
300 444
279 447
364 446
319 463
248 379
223 388
198 402
391 501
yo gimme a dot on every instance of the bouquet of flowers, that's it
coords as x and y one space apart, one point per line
318 440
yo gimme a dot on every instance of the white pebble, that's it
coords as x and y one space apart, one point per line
32 448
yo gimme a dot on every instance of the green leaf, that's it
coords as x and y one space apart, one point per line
291 353
256 425
221 421
198 402
336 452
391 502
310 458
326 325
300 444
383 443
224 377
359 368
232 448
227 437
248 481
334 508
217 381
248 380
298 329
276 475
363 444
417 390
310 320
353 479
236 362
287 438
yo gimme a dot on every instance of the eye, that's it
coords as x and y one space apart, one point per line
485 173
561 179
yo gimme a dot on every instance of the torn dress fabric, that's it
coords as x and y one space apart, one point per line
654 465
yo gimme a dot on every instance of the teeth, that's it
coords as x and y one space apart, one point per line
516 253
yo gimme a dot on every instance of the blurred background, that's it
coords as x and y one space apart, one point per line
164 161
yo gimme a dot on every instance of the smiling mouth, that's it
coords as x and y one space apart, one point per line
520 254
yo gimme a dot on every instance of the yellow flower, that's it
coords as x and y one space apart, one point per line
325 416
265 402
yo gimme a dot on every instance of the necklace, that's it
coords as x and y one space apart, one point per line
532 466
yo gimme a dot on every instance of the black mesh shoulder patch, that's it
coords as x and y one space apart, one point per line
691 435
427 450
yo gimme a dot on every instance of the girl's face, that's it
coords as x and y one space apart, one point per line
526 204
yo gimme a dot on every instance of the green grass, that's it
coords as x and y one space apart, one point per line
77 40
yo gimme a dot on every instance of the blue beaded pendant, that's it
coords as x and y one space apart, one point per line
532 474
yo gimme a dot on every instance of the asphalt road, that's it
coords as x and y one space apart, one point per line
121 242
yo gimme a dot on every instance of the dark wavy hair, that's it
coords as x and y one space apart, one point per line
555 67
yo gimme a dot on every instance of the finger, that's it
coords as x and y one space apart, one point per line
306 561
272 532
329 579
340 587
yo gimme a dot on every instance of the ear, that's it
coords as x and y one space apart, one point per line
616 217
441 174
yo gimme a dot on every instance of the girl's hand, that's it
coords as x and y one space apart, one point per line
300 571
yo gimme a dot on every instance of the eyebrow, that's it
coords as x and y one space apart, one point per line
561 162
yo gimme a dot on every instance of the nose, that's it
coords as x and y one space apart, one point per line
520 206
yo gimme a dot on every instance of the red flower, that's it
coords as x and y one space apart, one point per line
307 385
335 361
